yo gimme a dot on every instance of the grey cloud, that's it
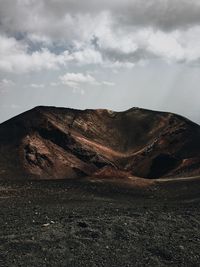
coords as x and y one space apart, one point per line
162 14
48 16
165 14
99 32
136 56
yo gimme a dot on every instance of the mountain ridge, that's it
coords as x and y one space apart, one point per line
61 143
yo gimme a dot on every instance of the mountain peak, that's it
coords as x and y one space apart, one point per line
62 143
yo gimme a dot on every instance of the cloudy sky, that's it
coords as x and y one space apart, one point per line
100 54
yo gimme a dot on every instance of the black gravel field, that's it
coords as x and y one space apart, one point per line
65 223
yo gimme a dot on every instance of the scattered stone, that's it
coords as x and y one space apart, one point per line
45 224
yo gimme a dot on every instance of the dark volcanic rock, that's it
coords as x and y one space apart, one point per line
59 143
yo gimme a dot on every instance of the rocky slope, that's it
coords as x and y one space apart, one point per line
60 143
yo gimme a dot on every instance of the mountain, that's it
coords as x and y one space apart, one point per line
62 143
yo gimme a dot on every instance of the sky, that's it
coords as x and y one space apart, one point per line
100 54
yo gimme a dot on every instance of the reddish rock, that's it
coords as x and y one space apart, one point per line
61 143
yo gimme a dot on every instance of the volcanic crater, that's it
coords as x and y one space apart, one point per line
62 143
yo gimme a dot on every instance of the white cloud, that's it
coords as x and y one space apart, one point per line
35 85
74 80
5 85
5 82
107 83
175 46
147 43
118 34
113 49
38 38
87 56
54 84
15 57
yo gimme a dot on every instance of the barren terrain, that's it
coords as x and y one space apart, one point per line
63 223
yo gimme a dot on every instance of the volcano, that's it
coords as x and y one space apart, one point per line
62 143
